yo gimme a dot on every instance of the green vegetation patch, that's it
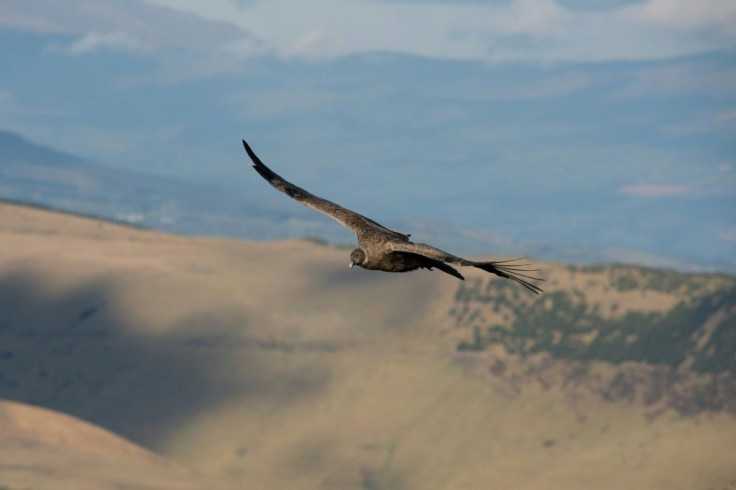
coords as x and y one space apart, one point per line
563 324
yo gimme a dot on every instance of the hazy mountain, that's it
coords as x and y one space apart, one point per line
629 152
40 175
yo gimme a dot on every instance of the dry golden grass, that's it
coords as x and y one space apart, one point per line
274 366
43 449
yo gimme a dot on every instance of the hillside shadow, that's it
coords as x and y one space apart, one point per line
79 352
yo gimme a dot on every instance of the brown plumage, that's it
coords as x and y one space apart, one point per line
386 250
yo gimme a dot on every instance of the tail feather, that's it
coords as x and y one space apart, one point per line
514 271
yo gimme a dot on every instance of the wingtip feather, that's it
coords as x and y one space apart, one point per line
254 158
261 168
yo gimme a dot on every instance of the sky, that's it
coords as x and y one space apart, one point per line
576 122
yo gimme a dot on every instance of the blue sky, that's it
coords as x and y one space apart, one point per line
573 122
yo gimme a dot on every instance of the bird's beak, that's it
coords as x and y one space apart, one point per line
352 264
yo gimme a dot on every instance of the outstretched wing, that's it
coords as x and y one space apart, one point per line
357 223
504 268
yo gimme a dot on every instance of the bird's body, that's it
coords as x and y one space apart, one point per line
380 248
391 262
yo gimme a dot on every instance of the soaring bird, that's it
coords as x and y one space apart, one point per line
380 248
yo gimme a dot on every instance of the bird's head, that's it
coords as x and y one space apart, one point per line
357 257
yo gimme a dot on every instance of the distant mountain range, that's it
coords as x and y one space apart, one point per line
39 175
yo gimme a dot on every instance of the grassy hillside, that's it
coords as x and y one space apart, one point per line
275 366
665 337
43 449
572 323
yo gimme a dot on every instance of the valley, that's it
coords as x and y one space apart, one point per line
272 365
